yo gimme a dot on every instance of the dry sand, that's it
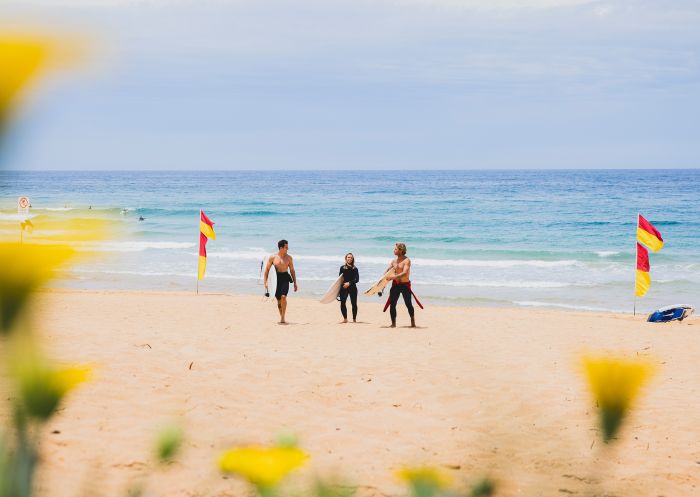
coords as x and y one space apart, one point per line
478 391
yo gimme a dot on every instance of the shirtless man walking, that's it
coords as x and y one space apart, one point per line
282 262
401 284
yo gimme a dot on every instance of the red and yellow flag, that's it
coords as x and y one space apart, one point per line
206 231
643 281
648 235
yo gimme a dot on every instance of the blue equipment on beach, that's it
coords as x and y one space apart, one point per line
670 313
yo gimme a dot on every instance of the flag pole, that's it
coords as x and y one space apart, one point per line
636 257
199 230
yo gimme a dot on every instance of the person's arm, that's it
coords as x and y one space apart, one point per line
391 266
294 274
357 276
267 269
346 284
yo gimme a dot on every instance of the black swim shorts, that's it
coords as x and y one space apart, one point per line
283 281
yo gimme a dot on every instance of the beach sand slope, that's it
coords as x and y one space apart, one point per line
476 391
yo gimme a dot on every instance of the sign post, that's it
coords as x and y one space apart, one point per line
23 206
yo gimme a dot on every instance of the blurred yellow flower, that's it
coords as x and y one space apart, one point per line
20 60
78 232
25 268
615 384
23 57
41 384
28 266
424 480
262 466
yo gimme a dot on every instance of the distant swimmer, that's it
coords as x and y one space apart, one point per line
351 277
283 263
401 285
90 208
141 218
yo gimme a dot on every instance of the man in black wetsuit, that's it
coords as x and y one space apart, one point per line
283 262
351 277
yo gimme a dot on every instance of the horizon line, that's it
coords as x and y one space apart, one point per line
346 170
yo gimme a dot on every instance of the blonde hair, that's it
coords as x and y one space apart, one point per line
402 247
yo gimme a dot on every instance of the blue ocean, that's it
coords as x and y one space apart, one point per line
553 239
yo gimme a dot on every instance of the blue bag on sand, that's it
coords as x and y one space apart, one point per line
670 313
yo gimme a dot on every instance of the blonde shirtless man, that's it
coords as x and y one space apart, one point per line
400 284
283 262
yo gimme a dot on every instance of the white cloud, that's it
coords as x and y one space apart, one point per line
495 5
603 10
506 44
462 4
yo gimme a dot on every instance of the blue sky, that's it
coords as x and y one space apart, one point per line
400 84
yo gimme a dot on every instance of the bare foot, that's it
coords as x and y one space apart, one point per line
393 325
282 322
343 321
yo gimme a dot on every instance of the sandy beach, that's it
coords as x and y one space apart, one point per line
476 391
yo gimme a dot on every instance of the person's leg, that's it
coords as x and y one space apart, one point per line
409 304
343 306
281 296
279 307
283 308
393 299
353 301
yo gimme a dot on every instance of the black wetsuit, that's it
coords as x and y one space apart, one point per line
350 275
283 281
396 290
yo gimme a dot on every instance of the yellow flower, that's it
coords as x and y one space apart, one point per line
41 384
424 480
23 58
615 385
77 232
262 466
25 268
28 266
20 60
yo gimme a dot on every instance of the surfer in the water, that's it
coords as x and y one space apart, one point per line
351 277
283 263
400 284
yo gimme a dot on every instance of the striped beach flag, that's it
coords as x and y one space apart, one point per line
206 232
643 280
648 235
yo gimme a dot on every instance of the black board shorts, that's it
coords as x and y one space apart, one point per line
283 281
